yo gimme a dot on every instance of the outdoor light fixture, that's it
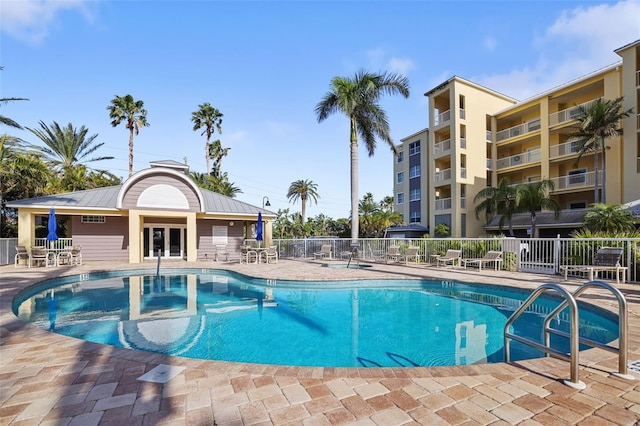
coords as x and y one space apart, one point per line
267 203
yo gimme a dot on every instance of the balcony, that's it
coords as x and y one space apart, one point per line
521 129
462 113
489 163
575 181
519 159
463 202
441 147
443 117
568 114
442 175
463 143
443 204
489 136
463 173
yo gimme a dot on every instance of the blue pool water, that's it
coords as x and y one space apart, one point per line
221 315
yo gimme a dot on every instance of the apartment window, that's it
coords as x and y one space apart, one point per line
400 156
400 177
414 194
400 198
414 148
93 219
578 205
414 171
415 217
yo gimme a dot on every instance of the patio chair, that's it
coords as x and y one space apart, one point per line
411 255
325 252
21 254
247 255
40 256
64 257
221 251
392 254
76 255
606 259
450 257
271 253
492 256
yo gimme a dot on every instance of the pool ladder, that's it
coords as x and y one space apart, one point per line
574 335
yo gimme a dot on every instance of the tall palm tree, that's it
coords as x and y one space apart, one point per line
358 98
599 120
65 147
6 120
127 109
533 197
609 218
303 190
217 153
500 200
211 119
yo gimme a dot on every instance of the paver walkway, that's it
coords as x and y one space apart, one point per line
49 379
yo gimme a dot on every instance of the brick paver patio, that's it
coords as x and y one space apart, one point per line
49 379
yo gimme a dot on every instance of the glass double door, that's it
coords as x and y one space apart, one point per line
165 241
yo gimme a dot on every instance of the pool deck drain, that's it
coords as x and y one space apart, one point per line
49 379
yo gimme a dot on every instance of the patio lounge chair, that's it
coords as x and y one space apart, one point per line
411 255
221 251
491 256
247 255
21 254
325 252
606 259
392 254
450 257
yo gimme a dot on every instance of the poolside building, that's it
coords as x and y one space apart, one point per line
477 136
159 211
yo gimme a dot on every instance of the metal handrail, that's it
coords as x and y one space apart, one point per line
569 301
622 348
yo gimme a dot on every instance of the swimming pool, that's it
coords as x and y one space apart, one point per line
222 315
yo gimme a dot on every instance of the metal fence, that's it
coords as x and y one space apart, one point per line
538 255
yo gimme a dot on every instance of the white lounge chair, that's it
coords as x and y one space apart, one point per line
491 256
606 259
325 252
40 255
450 258
21 254
411 255
392 254
270 254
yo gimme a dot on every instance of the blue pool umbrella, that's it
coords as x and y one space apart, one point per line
52 236
259 228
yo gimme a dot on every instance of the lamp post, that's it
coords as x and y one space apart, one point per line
267 203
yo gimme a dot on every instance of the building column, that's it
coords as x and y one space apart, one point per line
135 236
192 237
26 228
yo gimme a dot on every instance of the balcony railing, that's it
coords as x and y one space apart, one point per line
443 204
578 180
521 129
443 117
567 148
442 175
463 143
462 113
489 136
463 202
489 163
443 146
567 114
519 159
463 173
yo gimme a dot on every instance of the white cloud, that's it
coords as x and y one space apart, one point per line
30 20
401 66
580 41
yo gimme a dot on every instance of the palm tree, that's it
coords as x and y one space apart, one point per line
609 218
500 200
533 197
66 147
596 122
357 98
211 119
303 190
125 108
6 120
217 152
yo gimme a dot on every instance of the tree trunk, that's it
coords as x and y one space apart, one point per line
596 197
304 207
207 155
355 216
130 152
604 173
533 225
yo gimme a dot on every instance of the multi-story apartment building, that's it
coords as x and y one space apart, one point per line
477 136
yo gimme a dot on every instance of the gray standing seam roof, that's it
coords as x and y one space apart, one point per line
107 198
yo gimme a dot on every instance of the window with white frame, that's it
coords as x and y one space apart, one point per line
93 219
400 198
400 156
400 177
414 194
220 235
414 171
414 148
415 217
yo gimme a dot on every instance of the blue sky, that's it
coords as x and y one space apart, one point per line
265 66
